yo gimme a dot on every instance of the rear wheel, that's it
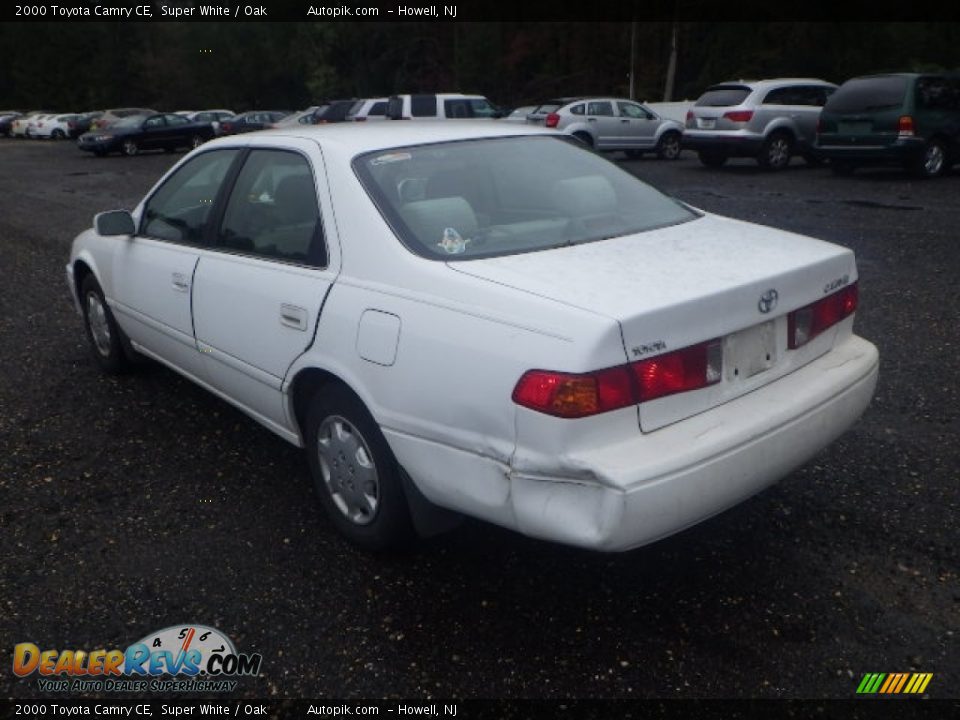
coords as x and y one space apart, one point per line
668 148
585 138
933 162
712 158
58 134
355 475
776 151
130 148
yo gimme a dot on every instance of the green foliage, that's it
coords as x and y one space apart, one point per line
71 66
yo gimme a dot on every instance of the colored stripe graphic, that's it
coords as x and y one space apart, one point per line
894 683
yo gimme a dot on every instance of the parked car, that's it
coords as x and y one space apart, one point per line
368 109
109 117
55 127
606 123
35 124
251 121
908 119
20 127
135 134
440 106
486 319
214 117
302 117
6 121
83 123
519 115
770 120
333 111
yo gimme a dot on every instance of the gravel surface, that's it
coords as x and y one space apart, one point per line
133 503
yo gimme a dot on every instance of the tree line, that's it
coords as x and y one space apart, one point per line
171 66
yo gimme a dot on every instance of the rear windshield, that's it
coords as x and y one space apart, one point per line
723 96
868 94
501 196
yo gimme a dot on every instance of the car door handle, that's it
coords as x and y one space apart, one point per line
180 282
293 316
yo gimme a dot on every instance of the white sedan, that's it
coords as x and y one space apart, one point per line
487 320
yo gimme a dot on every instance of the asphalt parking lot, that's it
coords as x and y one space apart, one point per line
134 503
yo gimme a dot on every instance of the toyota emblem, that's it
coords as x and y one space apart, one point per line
768 301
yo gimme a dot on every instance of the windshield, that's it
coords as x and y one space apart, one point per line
500 196
868 94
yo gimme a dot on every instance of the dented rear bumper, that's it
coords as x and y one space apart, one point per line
623 496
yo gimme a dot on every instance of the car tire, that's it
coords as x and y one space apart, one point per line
668 148
58 134
107 340
129 148
196 141
776 151
585 138
841 168
712 158
345 448
933 161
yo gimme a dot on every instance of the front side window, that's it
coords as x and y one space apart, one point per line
632 110
502 196
272 211
178 211
153 123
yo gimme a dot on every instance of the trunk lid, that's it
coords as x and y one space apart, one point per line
678 286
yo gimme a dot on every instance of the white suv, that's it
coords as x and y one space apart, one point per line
440 106
770 120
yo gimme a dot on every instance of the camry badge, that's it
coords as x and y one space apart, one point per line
768 301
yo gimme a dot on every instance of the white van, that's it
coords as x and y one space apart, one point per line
441 106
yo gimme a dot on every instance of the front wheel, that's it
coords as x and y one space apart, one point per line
355 475
130 148
105 336
585 138
669 146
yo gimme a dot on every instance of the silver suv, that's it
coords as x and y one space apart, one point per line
770 120
608 123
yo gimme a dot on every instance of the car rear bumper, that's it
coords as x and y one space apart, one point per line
901 151
623 496
734 143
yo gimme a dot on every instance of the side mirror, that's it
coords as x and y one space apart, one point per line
115 222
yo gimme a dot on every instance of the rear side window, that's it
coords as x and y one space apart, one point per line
600 108
423 105
938 93
273 210
868 94
379 108
577 109
723 96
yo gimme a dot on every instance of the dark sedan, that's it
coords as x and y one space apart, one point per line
250 121
138 133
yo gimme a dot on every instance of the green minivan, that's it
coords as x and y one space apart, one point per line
908 119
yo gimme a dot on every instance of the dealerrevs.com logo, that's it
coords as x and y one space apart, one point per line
180 658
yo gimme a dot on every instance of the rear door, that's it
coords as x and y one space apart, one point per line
604 122
258 292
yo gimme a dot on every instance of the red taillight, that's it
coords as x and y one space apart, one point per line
807 322
905 126
739 115
680 371
552 120
689 122
577 395
569 395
